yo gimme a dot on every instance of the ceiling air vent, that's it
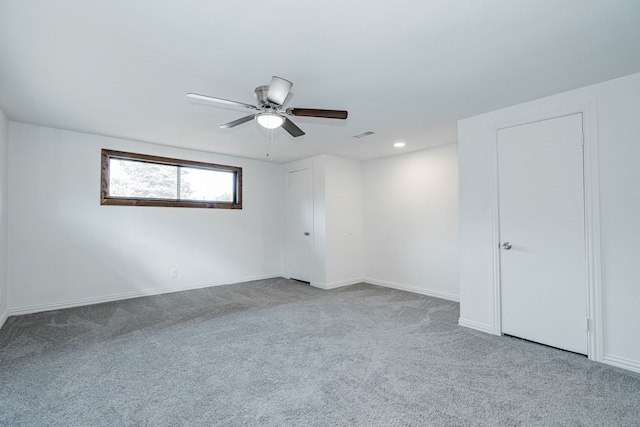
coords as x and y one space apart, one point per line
364 134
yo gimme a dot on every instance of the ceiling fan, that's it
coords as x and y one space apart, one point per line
270 109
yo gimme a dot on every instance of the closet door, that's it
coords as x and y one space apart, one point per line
300 218
542 233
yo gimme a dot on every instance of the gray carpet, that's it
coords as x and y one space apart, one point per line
280 353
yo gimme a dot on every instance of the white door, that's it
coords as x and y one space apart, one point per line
542 233
300 215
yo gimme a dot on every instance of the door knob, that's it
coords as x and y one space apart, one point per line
306 233
506 246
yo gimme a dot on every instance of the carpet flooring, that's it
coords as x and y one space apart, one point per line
281 353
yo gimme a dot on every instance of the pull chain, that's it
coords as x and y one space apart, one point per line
270 148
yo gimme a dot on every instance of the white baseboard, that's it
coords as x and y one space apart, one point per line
621 362
427 292
475 325
339 284
15 311
3 318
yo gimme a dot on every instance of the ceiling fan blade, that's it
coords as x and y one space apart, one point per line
314 112
220 100
290 127
237 122
278 90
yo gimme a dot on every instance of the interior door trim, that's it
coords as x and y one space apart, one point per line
589 111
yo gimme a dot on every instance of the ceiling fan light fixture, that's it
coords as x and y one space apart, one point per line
270 120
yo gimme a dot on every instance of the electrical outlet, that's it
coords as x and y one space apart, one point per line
174 273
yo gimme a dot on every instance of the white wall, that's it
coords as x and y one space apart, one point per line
4 144
66 249
618 110
343 201
411 221
391 221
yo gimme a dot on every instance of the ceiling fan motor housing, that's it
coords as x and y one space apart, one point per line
261 95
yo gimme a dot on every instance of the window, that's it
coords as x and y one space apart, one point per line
130 179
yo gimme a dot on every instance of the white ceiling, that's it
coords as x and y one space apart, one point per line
407 70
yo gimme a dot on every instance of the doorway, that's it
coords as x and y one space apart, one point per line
543 283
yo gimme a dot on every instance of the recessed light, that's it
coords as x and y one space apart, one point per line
399 144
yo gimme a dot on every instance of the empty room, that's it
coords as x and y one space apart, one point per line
250 213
